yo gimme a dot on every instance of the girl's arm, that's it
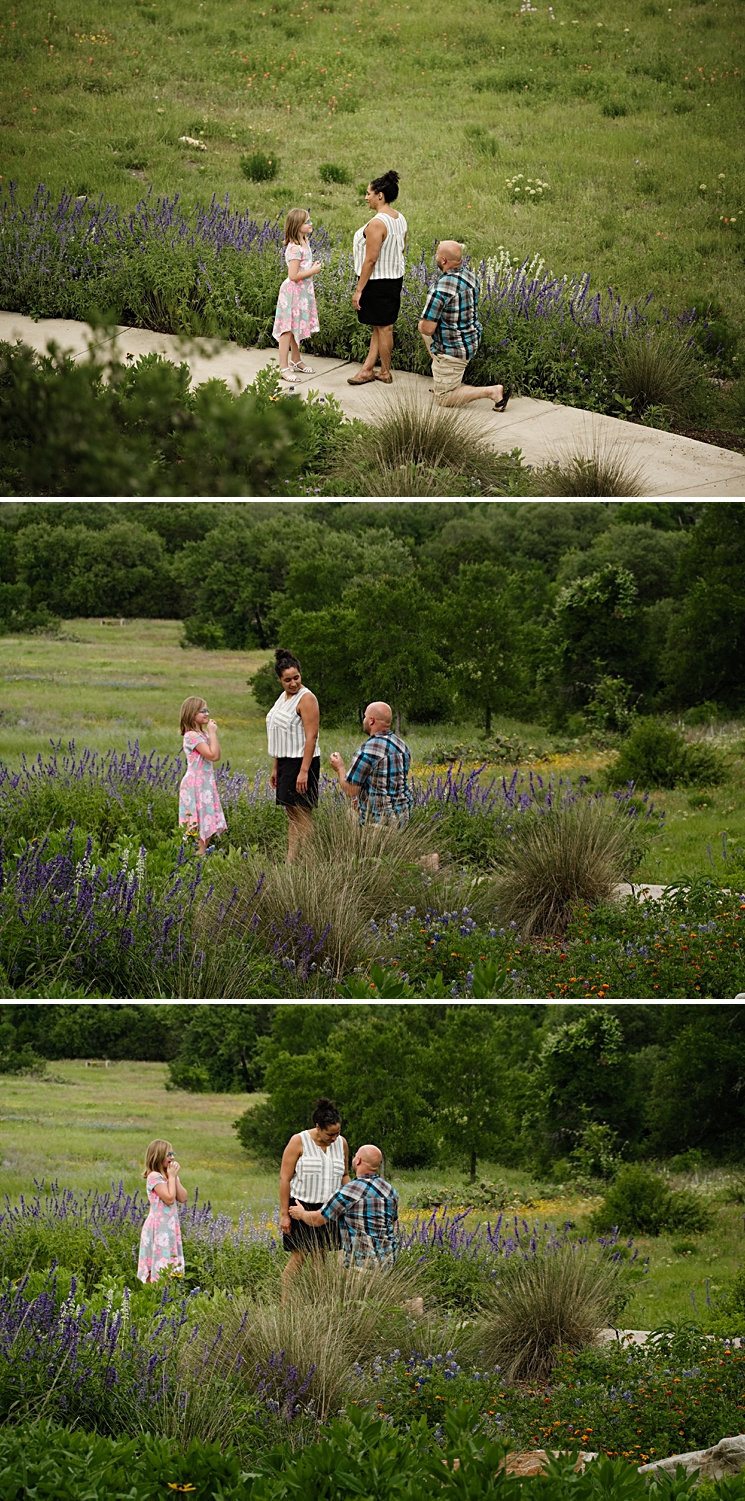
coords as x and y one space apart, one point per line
295 274
310 716
375 234
173 1189
211 751
181 1194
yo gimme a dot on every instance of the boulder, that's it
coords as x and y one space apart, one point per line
725 1458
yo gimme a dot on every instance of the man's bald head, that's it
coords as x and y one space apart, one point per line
380 714
369 1158
450 251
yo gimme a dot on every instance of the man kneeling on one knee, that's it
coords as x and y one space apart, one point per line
451 331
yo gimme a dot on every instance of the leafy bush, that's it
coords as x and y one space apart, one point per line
639 1202
568 857
258 167
85 427
557 1299
656 755
330 172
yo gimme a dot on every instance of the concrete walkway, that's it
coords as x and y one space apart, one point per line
543 430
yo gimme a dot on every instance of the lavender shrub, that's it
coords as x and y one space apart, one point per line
216 271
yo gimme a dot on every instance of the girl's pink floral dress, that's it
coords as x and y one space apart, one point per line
160 1242
296 305
199 802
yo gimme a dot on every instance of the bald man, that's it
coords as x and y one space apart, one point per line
378 778
366 1211
451 331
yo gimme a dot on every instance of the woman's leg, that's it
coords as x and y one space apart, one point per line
290 1272
385 347
372 355
299 833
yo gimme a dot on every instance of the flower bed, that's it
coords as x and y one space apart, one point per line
217 271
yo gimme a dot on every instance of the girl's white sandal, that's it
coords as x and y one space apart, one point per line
287 374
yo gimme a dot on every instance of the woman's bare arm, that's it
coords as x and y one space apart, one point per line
310 715
292 1152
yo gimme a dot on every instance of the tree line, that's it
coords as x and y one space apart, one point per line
535 609
553 1088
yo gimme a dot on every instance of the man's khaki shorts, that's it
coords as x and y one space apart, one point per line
447 371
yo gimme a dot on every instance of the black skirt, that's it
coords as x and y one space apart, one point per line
380 301
308 1238
287 773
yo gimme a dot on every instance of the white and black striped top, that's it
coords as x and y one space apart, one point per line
318 1174
390 262
285 729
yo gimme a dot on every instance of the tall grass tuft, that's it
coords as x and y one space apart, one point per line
414 434
607 470
560 860
655 370
558 1299
319 909
332 1317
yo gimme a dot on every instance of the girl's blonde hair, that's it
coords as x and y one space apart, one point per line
155 1157
189 710
293 225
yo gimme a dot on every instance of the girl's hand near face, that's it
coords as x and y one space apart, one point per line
315 268
173 1168
211 725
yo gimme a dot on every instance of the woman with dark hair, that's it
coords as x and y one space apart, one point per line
378 249
292 730
315 1164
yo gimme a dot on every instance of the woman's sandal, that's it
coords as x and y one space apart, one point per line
387 379
501 406
301 368
360 379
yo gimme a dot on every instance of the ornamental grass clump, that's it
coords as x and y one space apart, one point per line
558 1298
562 859
301 1352
413 434
315 913
607 470
655 369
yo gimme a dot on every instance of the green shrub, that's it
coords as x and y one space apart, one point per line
258 167
656 755
82 427
639 1202
329 172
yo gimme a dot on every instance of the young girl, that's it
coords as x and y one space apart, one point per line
199 803
296 317
160 1242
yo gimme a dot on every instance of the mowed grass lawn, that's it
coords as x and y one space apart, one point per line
102 685
88 1126
632 113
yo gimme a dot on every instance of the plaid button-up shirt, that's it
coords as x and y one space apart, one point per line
380 770
366 1211
453 305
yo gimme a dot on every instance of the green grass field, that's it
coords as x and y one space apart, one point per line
90 1125
632 114
102 685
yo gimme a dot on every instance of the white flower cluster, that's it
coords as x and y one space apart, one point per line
528 187
501 268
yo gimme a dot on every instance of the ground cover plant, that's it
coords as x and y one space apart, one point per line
645 102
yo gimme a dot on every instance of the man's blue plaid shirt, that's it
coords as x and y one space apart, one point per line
380 770
366 1211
